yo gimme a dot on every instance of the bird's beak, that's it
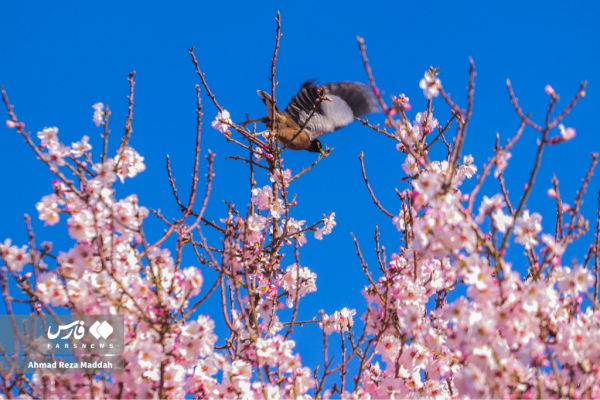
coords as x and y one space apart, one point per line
320 147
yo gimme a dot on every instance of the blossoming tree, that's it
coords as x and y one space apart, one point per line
509 334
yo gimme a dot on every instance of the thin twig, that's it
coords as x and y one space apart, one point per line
306 169
462 131
505 194
597 255
172 182
487 168
246 161
210 175
106 133
212 96
363 53
377 203
197 151
580 93
441 132
273 62
538 161
559 231
128 122
27 136
376 128
518 109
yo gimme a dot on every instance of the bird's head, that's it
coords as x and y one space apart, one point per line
316 147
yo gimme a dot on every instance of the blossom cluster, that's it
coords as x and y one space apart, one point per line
510 333
449 315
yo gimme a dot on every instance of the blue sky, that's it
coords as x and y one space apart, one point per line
60 58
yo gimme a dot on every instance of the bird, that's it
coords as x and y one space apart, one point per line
337 104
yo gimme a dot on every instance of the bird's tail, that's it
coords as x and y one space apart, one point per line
266 98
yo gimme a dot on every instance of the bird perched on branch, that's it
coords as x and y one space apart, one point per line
316 110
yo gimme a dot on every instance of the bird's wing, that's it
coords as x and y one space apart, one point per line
266 98
359 96
348 99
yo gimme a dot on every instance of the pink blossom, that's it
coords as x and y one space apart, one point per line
298 280
424 123
501 220
48 209
191 281
566 133
327 227
258 153
329 324
428 184
57 152
281 177
98 114
105 171
145 353
80 148
130 163
431 85
576 280
526 229
14 257
488 205
555 247
409 134
479 274
502 163
262 197
399 220
467 168
411 166
388 347
256 223
48 135
549 91
277 209
295 226
81 226
51 289
222 122
338 322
